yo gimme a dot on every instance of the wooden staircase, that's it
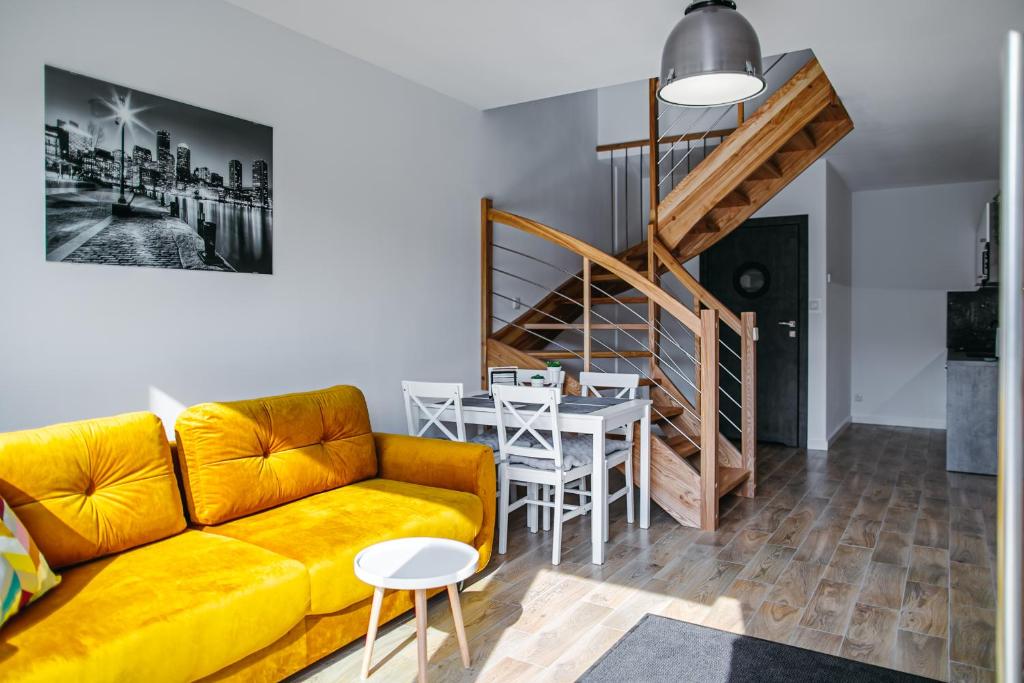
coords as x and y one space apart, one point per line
692 464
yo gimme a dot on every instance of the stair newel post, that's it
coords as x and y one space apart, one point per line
486 283
709 419
654 181
748 399
586 315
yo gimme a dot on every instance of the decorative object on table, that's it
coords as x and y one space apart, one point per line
507 375
24 573
419 565
554 372
537 381
659 649
135 179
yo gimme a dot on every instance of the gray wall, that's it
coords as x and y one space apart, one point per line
377 183
910 246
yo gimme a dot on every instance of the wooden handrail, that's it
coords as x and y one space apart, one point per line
695 288
667 140
598 258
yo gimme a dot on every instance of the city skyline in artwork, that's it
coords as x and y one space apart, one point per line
134 178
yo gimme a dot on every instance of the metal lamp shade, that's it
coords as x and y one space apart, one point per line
711 58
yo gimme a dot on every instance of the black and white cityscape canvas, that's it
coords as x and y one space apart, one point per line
135 179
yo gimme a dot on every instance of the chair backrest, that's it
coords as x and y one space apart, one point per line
625 384
423 408
501 374
519 425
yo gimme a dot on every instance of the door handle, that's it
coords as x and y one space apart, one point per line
788 323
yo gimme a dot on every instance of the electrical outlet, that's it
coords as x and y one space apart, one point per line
858 398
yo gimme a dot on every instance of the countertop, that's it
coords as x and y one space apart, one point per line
965 357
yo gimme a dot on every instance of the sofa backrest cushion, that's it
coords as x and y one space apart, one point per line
92 488
245 456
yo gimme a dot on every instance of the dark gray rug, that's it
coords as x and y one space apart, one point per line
662 649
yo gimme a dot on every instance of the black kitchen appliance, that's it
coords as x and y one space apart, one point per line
972 319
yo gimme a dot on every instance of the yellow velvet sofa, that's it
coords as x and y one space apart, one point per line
231 557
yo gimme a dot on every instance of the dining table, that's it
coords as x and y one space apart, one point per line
596 416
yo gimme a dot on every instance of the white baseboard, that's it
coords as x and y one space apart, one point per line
824 444
896 421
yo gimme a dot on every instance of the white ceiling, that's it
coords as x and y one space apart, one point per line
919 77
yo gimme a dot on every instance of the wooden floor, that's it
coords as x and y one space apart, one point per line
871 551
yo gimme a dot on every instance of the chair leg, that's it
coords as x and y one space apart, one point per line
546 496
503 511
556 548
629 488
531 510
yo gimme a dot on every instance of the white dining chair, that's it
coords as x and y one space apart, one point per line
625 385
619 452
423 409
530 451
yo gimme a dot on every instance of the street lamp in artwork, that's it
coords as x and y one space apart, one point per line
124 116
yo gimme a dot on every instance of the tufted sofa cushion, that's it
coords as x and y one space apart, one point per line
245 456
92 488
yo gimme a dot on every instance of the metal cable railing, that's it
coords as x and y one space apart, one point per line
639 371
659 325
667 359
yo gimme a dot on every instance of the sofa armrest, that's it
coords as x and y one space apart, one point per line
466 467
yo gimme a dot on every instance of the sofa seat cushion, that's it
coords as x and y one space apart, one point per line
326 531
175 610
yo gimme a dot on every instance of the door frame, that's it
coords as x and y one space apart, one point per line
803 316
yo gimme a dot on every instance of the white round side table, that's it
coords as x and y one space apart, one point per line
416 564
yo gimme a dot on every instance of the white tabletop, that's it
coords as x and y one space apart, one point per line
416 563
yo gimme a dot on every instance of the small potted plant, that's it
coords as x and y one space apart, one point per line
554 372
537 380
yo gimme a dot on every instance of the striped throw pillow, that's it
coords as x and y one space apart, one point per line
24 573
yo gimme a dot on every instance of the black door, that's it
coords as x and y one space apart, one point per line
762 267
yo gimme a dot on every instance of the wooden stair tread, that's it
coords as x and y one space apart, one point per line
665 413
682 445
558 355
580 326
730 477
601 300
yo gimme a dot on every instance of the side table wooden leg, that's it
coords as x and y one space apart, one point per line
420 597
460 628
371 632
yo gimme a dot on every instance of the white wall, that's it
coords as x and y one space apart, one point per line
911 246
540 163
376 256
838 301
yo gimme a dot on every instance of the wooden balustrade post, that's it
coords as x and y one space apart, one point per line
748 400
486 283
654 180
586 315
709 419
